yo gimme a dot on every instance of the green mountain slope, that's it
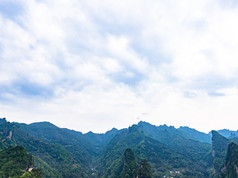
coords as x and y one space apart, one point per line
219 150
52 134
54 155
99 141
132 169
163 160
16 162
196 135
170 152
231 166
144 169
225 153
129 165
179 142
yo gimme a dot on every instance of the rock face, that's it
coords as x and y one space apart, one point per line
10 135
219 149
231 167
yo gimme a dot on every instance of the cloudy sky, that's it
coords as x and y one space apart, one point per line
94 65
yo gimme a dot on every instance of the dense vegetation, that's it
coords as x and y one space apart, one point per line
225 153
144 170
219 148
164 160
131 169
129 165
231 166
142 150
16 162
57 160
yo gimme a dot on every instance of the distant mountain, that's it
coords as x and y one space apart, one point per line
98 141
89 143
164 160
158 151
179 142
228 133
196 135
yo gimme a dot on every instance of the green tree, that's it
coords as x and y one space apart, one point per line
16 162
144 170
130 165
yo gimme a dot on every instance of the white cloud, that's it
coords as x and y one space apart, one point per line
105 63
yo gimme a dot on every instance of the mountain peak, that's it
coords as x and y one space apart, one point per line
219 149
43 124
3 120
113 130
143 122
133 128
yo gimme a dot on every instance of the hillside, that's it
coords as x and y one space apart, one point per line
231 166
196 135
158 150
16 162
163 159
179 142
219 150
60 162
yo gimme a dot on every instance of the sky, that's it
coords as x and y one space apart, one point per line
94 65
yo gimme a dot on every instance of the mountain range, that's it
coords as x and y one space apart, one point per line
142 150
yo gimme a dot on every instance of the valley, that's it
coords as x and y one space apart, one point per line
142 150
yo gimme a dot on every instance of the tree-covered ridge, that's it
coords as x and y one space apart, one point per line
59 161
158 151
179 142
16 162
52 134
164 161
231 166
196 135
129 165
219 150
132 169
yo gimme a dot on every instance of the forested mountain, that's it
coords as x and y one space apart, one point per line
55 160
178 141
196 135
77 145
142 150
231 166
219 149
16 162
164 160
228 133
225 155
131 168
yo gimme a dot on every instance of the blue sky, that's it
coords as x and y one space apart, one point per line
90 65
